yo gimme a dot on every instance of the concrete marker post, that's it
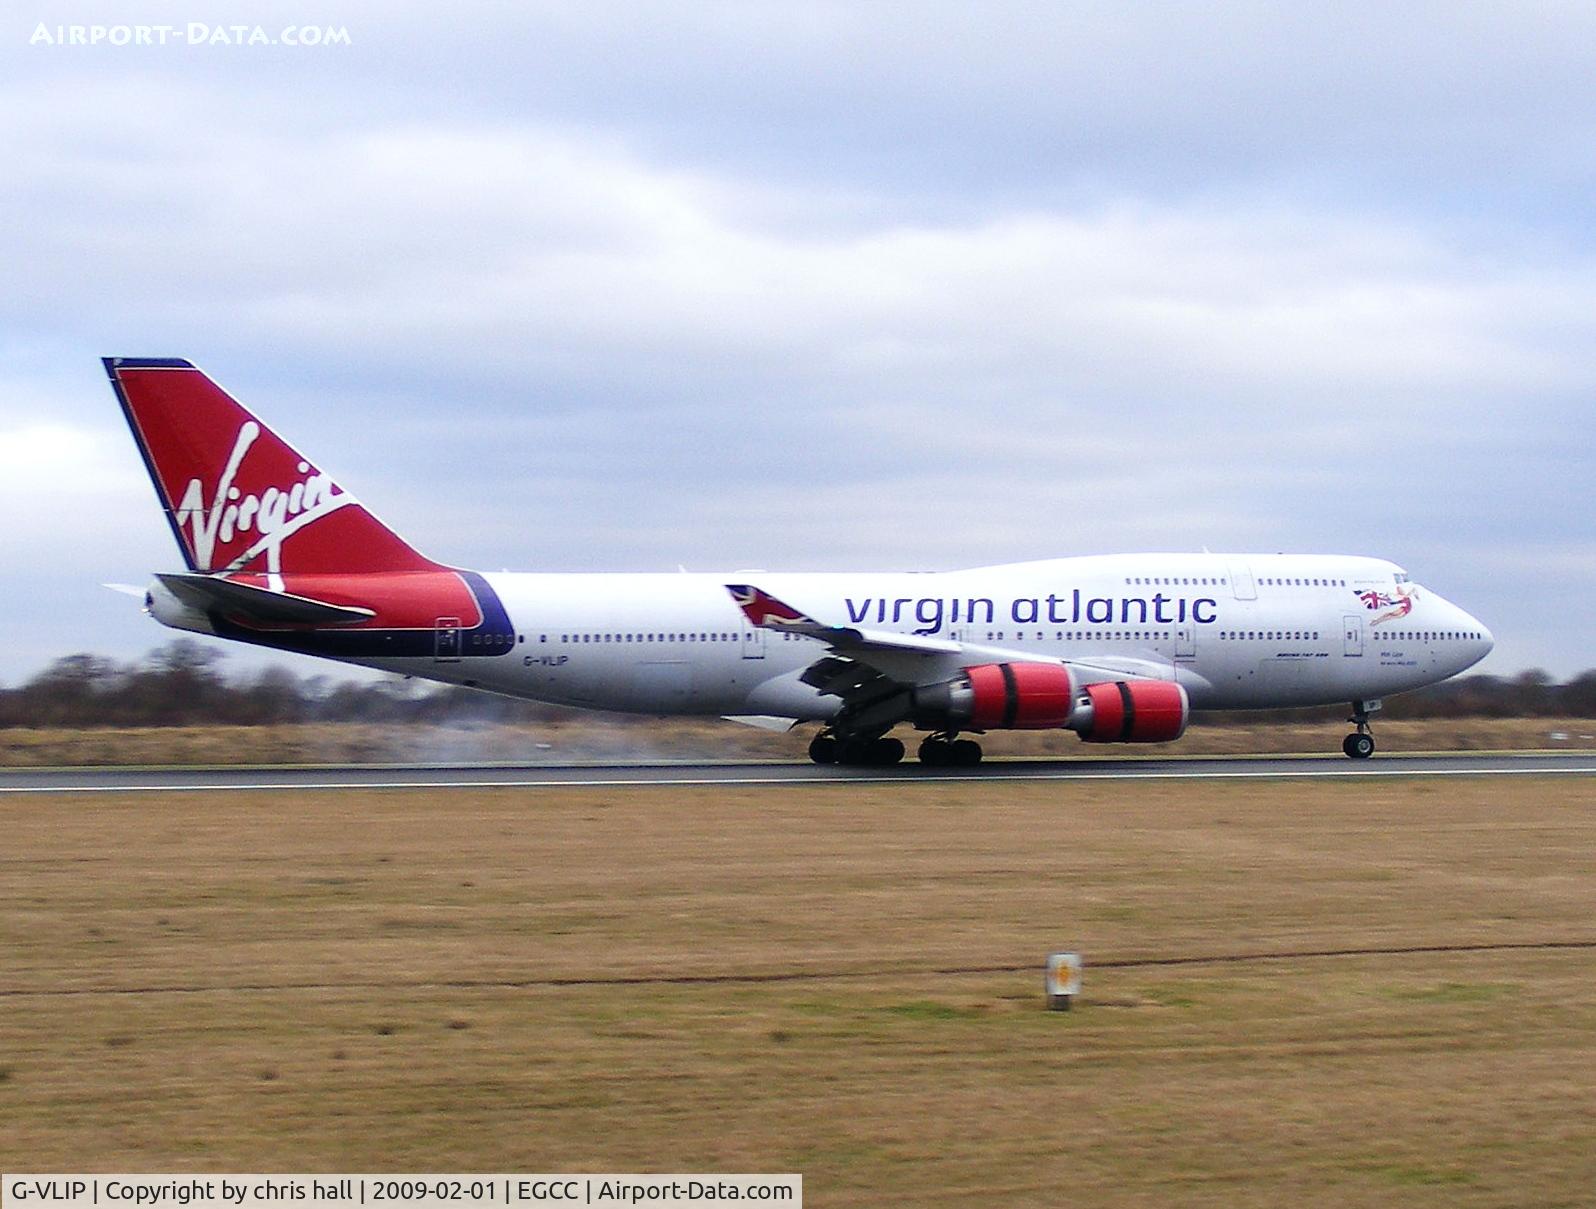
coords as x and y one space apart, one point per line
1063 980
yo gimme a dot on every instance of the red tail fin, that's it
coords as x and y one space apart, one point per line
239 497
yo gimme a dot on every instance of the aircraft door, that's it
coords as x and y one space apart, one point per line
1186 641
446 637
751 640
1352 631
1241 582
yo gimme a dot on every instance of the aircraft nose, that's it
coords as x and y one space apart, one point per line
1481 640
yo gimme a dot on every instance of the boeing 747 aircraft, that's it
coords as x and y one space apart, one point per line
1118 648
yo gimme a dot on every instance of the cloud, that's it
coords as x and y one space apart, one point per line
834 287
475 249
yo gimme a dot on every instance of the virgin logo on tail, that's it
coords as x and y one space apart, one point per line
273 514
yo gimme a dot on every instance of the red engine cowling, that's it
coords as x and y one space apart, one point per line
999 696
1020 696
1136 711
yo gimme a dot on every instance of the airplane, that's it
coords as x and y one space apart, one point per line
1119 648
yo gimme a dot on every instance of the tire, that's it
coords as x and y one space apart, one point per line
966 753
1358 746
934 753
853 752
884 752
823 749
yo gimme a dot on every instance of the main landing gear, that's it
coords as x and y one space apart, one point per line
943 750
1360 743
829 748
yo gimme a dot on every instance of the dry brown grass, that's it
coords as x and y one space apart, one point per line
370 981
604 738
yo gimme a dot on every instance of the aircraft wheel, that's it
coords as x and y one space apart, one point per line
936 753
853 751
886 751
1359 746
966 753
823 749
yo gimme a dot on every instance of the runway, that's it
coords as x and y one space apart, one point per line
522 776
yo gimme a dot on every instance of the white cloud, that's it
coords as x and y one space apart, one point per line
486 246
632 324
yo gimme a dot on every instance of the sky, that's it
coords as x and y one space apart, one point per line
576 287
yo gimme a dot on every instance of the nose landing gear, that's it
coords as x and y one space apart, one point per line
1359 746
1360 743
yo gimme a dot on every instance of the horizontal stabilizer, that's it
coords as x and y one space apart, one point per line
206 592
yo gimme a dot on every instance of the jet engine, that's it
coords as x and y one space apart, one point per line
998 696
1043 696
1132 711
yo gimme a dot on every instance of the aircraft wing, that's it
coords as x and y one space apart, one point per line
872 671
259 605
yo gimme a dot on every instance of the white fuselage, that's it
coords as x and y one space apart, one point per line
1237 631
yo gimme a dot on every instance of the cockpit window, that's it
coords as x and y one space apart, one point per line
1402 577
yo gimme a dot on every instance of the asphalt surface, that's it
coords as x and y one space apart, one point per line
478 776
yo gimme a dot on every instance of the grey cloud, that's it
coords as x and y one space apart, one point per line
842 286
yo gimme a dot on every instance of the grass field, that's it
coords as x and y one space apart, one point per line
842 981
609 737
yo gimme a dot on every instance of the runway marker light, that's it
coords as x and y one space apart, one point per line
1063 980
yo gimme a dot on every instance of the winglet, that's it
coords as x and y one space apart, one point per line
765 611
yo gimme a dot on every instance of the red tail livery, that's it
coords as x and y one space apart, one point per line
238 496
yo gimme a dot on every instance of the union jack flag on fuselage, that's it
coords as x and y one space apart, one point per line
766 611
1396 606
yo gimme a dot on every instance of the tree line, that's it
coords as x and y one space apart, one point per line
186 683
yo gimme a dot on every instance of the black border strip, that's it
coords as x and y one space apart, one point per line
1128 723
112 365
1011 696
